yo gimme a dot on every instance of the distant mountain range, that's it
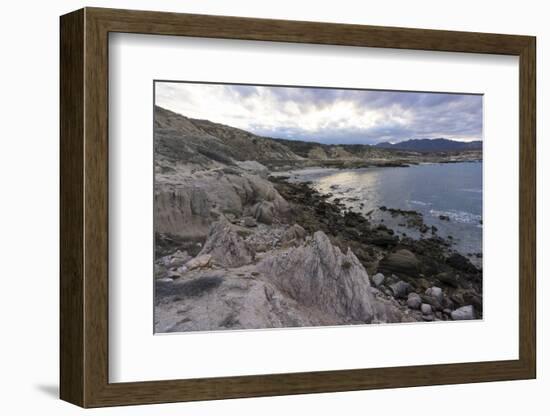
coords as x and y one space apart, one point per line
432 145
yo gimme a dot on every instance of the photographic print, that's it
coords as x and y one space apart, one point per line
294 206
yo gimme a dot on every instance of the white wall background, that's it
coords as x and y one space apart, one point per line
29 209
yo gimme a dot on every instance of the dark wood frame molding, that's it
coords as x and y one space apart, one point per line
84 209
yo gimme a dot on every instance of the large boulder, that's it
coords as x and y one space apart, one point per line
318 275
400 262
225 246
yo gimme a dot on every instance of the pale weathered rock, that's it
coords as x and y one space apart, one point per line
198 262
186 204
378 279
207 301
414 301
226 247
253 166
249 222
436 293
464 313
182 269
317 274
295 233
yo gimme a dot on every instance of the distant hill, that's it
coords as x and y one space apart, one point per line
180 139
432 145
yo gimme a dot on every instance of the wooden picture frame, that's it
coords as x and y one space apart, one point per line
84 207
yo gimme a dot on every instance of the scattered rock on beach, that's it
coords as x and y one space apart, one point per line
435 292
378 279
401 289
414 301
463 313
426 309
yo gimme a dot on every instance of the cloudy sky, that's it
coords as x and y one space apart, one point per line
328 115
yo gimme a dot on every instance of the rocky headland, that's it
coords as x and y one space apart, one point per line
238 248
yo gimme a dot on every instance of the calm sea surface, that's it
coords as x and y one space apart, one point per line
451 189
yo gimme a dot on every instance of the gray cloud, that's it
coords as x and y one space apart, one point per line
328 115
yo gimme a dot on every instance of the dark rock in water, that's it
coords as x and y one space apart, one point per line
401 289
444 218
457 299
460 262
382 239
401 262
449 278
474 299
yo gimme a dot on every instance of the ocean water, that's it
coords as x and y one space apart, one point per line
451 189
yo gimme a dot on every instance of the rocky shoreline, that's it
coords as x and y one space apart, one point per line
236 248
399 265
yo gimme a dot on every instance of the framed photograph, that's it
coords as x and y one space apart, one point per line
257 207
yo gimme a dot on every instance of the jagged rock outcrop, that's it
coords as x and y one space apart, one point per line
317 274
225 246
186 208
234 299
